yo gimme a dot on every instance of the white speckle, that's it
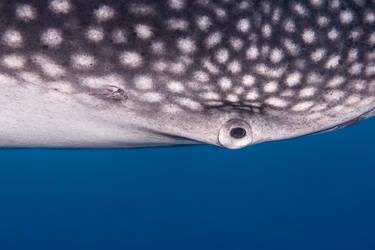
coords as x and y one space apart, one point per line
319 107
356 34
356 69
222 56
323 21
303 106
271 87
314 78
314 116
370 69
352 55
210 66
244 5
83 61
276 15
119 36
307 92
152 97
177 68
316 3
252 53
13 61
26 12
158 47
225 83
201 76
239 90
213 39
265 50
204 22
291 47
276 55
336 82
177 24
232 98
176 4
338 108
248 80
359 85
267 71
276 102
293 79
143 82
60 6
30 77
333 62
13 38
131 59
234 67
253 95
186 45
143 31
289 25
104 13
371 39
370 17
243 25
308 36
288 93
335 4
140 9
346 17
266 7
236 43
210 95
220 12
160 66
267 30
52 37
333 34
299 9
176 87
318 54
171 108
95 34
353 99
48 66
188 103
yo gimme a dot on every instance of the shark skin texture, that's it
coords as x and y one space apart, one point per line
232 73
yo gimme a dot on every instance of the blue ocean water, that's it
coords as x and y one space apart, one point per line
316 192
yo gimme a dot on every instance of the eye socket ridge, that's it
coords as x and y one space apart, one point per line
235 134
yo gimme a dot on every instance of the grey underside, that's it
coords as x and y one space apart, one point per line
146 73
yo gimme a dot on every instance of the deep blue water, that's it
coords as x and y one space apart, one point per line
316 192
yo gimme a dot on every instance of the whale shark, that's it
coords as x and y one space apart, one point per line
136 73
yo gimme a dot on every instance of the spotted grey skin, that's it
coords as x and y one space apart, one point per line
123 73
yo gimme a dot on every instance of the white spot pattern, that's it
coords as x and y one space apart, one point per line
276 56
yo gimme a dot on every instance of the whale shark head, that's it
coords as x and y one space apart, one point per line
226 72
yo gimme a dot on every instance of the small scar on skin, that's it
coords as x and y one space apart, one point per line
112 93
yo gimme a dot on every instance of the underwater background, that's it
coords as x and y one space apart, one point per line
316 192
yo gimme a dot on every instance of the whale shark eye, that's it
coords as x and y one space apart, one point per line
238 132
235 133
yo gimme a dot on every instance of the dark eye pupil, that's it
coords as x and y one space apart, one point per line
238 133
